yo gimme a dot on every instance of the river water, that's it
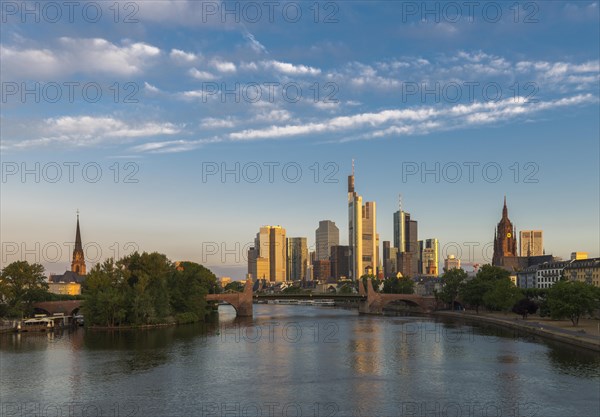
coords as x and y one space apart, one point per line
297 361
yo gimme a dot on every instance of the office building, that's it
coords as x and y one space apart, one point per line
584 270
429 257
340 261
406 240
370 238
268 258
297 258
326 236
451 262
390 260
531 243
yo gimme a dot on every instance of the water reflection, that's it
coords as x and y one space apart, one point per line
306 356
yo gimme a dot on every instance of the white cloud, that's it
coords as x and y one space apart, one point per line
183 57
78 55
223 66
92 130
151 88
213 123
254 44
290 69
202 75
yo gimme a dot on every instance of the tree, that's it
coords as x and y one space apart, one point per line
374 280
106 294
22 284
394 285
502 295
234 286
188 285
452 282
572 299
492 273
524 307
345 289
472 292
148 276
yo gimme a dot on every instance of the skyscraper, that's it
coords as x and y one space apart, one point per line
354 229
327 235
505 240
429 257
390 260
370 237
340 261
297 258
362 229
269 254
531 243
406 239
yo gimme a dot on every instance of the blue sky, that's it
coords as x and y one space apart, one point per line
397 86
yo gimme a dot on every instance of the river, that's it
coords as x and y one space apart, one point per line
297 361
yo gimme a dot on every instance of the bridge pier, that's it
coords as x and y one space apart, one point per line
375 301
241 301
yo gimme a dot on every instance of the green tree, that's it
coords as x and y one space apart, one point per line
492 273
394 285
472 292
234 286
22 284
502 295
376 282
148 276
572 299
345 289
452 282
106 295
524 307
188 285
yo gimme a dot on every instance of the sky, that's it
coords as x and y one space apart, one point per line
183 126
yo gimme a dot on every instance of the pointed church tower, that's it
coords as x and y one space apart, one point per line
78 263
505 239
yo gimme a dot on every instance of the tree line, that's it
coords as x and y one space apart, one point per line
139 289
493 290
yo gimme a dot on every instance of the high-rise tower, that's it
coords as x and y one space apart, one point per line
354 229
326 236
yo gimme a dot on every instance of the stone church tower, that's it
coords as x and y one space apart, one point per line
78 263
505 238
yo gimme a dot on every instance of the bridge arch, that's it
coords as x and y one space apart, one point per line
376 301
241 301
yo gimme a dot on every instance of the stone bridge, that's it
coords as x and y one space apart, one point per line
241 301
68 308
375 301
370 301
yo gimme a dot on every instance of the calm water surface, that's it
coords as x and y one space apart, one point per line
297 361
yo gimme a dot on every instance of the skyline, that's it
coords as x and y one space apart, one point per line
156 141
468 251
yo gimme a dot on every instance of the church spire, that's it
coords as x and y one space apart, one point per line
504 209
78 263
78 245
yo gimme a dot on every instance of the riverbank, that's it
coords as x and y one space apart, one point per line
585 335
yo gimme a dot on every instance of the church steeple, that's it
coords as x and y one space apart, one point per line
78 263
505 239
78 245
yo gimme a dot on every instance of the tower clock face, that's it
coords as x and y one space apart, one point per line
508 234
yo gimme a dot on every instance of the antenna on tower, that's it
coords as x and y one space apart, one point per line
400 202
352 166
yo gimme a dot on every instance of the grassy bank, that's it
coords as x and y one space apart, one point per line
585 335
